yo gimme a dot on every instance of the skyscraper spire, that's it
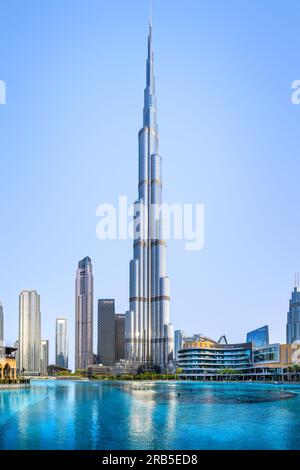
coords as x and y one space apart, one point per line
150 14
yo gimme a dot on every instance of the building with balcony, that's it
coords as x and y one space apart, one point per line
206 357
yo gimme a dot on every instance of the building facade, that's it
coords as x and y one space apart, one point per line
61 343
106 331
29 332
8 367
84 295
259 337
17 354
293 317
206 357
119 337
149 333
44 356
1 326
178 342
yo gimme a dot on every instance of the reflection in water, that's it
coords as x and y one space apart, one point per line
150 415
140 416
187 393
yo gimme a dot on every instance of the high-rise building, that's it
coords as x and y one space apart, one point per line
293 316
17 354
259 337
178 342
84 314
149 334
119 337
29 332
61 343
106 331
44 356
1 326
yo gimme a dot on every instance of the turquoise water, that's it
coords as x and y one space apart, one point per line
135 415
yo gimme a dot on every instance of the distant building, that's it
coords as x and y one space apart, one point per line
178 342
96 359
259 337
84 314
1 326
119 337
293 316
17 353
44 356
106 331
29 332
54 370
61 343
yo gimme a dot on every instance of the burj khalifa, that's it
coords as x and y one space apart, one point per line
149 333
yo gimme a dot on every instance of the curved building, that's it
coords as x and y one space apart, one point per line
207 357
149 334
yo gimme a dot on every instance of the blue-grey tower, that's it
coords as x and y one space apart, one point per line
293 316
149 333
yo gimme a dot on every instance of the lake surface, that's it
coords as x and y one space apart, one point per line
143 415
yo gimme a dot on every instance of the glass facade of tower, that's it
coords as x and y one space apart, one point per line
29 333
84 297
119 336
106 331
259 337
293 317
149 333
178 342
44 356
61 343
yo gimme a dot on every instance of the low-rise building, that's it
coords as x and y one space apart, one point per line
8 366
206 357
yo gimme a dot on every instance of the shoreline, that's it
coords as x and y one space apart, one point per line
13 386
171 381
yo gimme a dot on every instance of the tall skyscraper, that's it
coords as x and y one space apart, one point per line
293 316
119 336
44 356
259 337
61 343
149 334
84 314
1 326
178 342
29 332
106 331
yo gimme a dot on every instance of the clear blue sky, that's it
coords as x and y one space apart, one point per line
229 137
